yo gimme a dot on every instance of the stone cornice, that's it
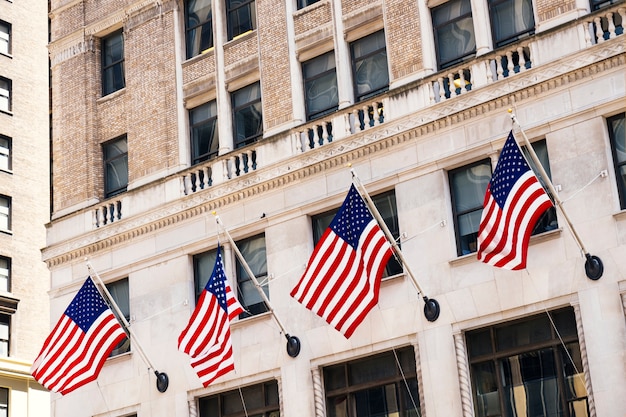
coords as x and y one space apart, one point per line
481 102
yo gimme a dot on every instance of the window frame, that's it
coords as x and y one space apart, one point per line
357 61
112 287
399 379
117 65
309 81
243 280
5 320
436 30
5 38
617 166
190 31
305 3
320 222
492 5
195 128
496 357
241 108
232 15
109 164
456 214
5 94
8 200
268 392
6 153
7 277
5 407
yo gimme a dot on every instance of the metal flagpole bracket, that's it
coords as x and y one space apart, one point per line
431 309
293 343
593 264
162 380
431 306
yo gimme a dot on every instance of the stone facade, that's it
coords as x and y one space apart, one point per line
24 301
406 140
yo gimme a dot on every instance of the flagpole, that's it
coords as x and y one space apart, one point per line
431 306
162 380
593 264
293 343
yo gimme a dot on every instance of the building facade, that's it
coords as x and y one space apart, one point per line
24 203
259 111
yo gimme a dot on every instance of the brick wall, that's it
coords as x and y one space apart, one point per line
404 46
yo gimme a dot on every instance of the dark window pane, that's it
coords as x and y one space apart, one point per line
113 63
523 333
115 166
320 85
364 371
479 343
241 17
119 293
468 185
253 251
261 400
369 62
247 115
454 32
511 20
204 132
198 26
334 377
486 387
617 135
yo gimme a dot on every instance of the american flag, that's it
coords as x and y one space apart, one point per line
513 203
342 280
206 339
75 351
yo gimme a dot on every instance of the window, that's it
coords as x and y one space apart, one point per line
369 65
4 402
5 38
511 20
5 94
454 32
5 213
5 153
386 205
303 3
198 26
5 274
380 385
467 186
599 4
617 136
241 17
247 115
253 251
320 85
260 400
115 166
119 293
522 368
204 133
5 334
113 63
548 220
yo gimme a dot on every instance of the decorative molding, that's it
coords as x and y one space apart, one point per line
464 379
318 393
351 149
583 356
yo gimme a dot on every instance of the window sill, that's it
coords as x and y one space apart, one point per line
620 216
257 317
239 38
111 96
536 239
120 357
204 54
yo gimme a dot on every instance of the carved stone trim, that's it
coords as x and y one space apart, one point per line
464 378
583 357
318 393
350 149
193 408
420 379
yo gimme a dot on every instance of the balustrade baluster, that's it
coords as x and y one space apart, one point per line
609 18
442 89
462 81
316 137
324 127
499 67
599 31
522 60
510 65
431 92
451 86
206 180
